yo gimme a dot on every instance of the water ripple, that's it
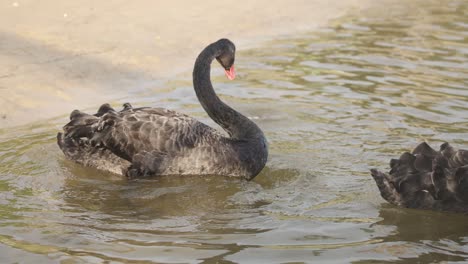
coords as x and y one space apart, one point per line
333 103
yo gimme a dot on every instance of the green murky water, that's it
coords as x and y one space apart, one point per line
333 104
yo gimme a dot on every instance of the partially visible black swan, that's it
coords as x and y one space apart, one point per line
155 141
427 179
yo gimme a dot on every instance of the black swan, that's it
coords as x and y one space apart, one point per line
427 179
155 141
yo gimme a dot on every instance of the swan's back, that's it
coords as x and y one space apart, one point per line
427 179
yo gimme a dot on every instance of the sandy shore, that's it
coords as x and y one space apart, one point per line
60 55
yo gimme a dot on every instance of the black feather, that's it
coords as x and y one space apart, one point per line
427 179
156 141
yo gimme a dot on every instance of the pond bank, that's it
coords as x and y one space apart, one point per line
58 56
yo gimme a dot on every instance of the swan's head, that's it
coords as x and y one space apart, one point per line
227 52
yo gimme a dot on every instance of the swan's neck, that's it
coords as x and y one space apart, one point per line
237 125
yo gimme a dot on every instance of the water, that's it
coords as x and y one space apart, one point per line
333 103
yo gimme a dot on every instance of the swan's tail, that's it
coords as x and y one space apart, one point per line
77 142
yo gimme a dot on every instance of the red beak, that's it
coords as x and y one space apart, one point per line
231 73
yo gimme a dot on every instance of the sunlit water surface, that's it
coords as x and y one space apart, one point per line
333 103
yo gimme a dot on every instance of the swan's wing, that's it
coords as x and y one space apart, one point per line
424 149
456 158
159 130
455 165
84 153
143 136
461 179
427 179
424 155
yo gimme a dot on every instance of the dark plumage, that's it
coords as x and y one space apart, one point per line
427 179
154 141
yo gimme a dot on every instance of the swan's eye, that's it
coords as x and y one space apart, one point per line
226 61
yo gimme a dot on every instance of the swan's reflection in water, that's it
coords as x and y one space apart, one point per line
423 236
150 198
419 225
